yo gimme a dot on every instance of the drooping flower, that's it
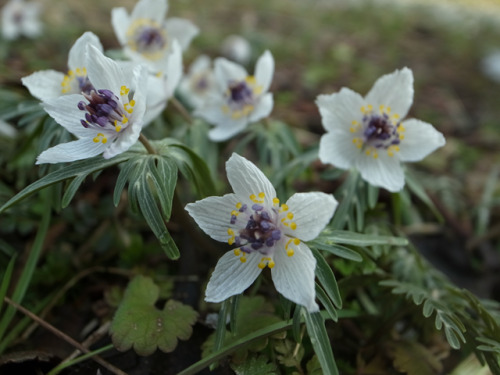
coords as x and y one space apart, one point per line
368 133
161 87
146 36
199 83
105 120
265 233
21 18
50 84
240 99
236 48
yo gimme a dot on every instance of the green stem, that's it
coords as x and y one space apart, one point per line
145 142
62 366
248 339
182 110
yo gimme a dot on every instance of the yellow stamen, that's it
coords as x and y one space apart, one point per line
230 241
290 252
230 231
262 195
250 80
296 241
238 205
118 128
284 207
237 252
237 115
293 226
243 259
289 216
124 120
276 202
225 109
235 213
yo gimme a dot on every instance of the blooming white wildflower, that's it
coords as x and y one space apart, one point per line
197 85
105 120
368 133
236 48
161 87
49 84
21 18
146 36
240 98
265 233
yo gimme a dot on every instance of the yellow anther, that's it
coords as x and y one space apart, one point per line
235 213
395 116
276 201
230 231
401 128
401 136
118 128
239 205
230 241
96 140
381 108
132 103
243 259
368 152
100 138
355 140
284 207
225 109
262 195
296 241
293 226
70 72
388 109
257 90
352 130
375 155
124 120
77 70
271 264
290 252
289 216
253 196
261 265
396 148
390 153
247 109
124 90
85 71
354 122
237 115
363 109
237 252
250 80
370 108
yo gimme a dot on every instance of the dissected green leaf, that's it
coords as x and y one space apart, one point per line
413 358
314 367
291 354
255 365
254 313
139 324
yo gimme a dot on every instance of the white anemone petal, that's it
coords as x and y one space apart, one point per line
420 139
76 57
384 171
339 110
64 110
71 151
264 70
121 22
150 9
182 30
263 108
45 84
226 129
227 71
336 148
103 72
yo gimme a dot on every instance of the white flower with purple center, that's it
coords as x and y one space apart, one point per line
105 120
240 98
368 133
265 233
199 83
49 84
21 18
146 36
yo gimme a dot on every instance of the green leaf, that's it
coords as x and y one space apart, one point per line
321 343
358 239
345 195
323 298
372 192
286 304
327 278
72 188
255 365
413 358
314 367
220 331
288 357
75 169
138 324
322 243
6 280
235 305
254 314
417 189
297 316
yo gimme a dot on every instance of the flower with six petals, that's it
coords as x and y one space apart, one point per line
265 233
369 133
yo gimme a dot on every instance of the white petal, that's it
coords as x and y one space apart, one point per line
246 179
336 148
200 64
213 215
264 70
152 112
393 90
45 84
71 151
141 81
121 22
311 212
152 9
211 111
263 109
227 129
227 71
182 30
77 52
174 69
103 72
232 277
420 139
124 141
64 110
340 109
385 171
294 276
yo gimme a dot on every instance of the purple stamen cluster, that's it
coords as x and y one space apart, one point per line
103 108
380 132
149 38
85 85
260 232
241 93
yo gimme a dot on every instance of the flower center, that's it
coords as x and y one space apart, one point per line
259 228
76 81
378 131
241 97
105 111
147 37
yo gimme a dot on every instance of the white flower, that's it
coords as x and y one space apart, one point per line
368 133
199 82
21 18
146 36
161 87
240 99
265 234
49 84
105 121
236 48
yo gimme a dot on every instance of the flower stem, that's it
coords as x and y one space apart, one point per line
182 110
146 144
